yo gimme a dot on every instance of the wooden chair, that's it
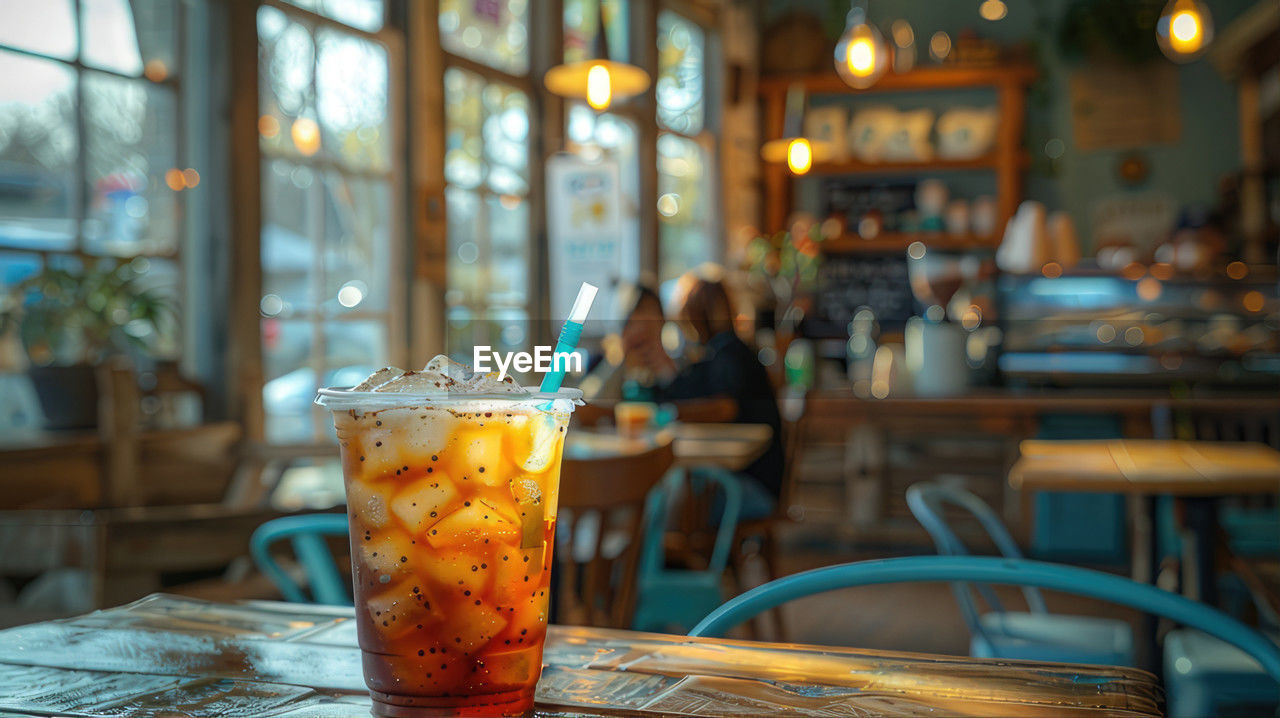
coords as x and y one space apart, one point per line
598 537
759 537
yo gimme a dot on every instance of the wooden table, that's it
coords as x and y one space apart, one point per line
166 655
731 446
975 437
1197 472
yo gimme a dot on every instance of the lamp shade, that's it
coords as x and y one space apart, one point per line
599 82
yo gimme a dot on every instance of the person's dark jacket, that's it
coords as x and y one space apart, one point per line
731 369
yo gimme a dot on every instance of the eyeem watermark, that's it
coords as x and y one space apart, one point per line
541 360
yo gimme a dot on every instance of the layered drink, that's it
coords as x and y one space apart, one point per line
452 481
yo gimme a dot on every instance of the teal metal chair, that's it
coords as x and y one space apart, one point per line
1207 676
674 599
1018 572
307 534
1034 635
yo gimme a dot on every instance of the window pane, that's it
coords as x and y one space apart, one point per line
291 218
494 32
39 192
351 98
164 277
503 328
613 137
684 205
487 133
156 21
357 245
464 113
465 234
681 74
110 39
45 27
285 99
508 283
352 351
582 28
131 144
291 381
364 14
506 138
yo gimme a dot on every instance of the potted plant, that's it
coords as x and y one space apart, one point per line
71 320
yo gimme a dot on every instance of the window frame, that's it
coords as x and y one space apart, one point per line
171 83
246 362
536 304
707 136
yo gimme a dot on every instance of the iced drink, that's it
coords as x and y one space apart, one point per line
451 483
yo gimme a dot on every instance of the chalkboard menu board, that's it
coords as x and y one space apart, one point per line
849 281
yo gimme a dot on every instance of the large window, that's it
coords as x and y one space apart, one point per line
330 228
686 204
488 173
91 168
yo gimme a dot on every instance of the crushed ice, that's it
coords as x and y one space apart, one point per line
440 374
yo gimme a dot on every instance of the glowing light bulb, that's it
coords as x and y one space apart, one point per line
599 87
799 155
1184 27
993 10
1184 30
862 57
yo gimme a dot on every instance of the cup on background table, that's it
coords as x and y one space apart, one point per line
633 418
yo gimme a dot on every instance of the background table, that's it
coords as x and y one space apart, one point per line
169 655
731 446
1198 471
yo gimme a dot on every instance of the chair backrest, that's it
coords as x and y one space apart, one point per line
695 488
1018 572
791 406
601 504
306 533
927 501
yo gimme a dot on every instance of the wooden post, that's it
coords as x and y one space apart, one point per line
118 416
1253 194
1008 153
426 184
777 189
244 328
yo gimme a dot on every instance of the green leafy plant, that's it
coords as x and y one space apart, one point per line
86 315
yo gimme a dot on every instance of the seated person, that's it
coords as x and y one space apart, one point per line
727 383
631 358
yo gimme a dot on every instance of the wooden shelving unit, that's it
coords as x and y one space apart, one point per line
1008 160
854 166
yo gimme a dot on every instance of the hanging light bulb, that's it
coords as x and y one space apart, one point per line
861 54
599 87
799 155
1184 30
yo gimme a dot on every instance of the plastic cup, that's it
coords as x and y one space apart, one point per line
452 502
633 418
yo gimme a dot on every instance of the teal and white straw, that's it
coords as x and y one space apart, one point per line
569 335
